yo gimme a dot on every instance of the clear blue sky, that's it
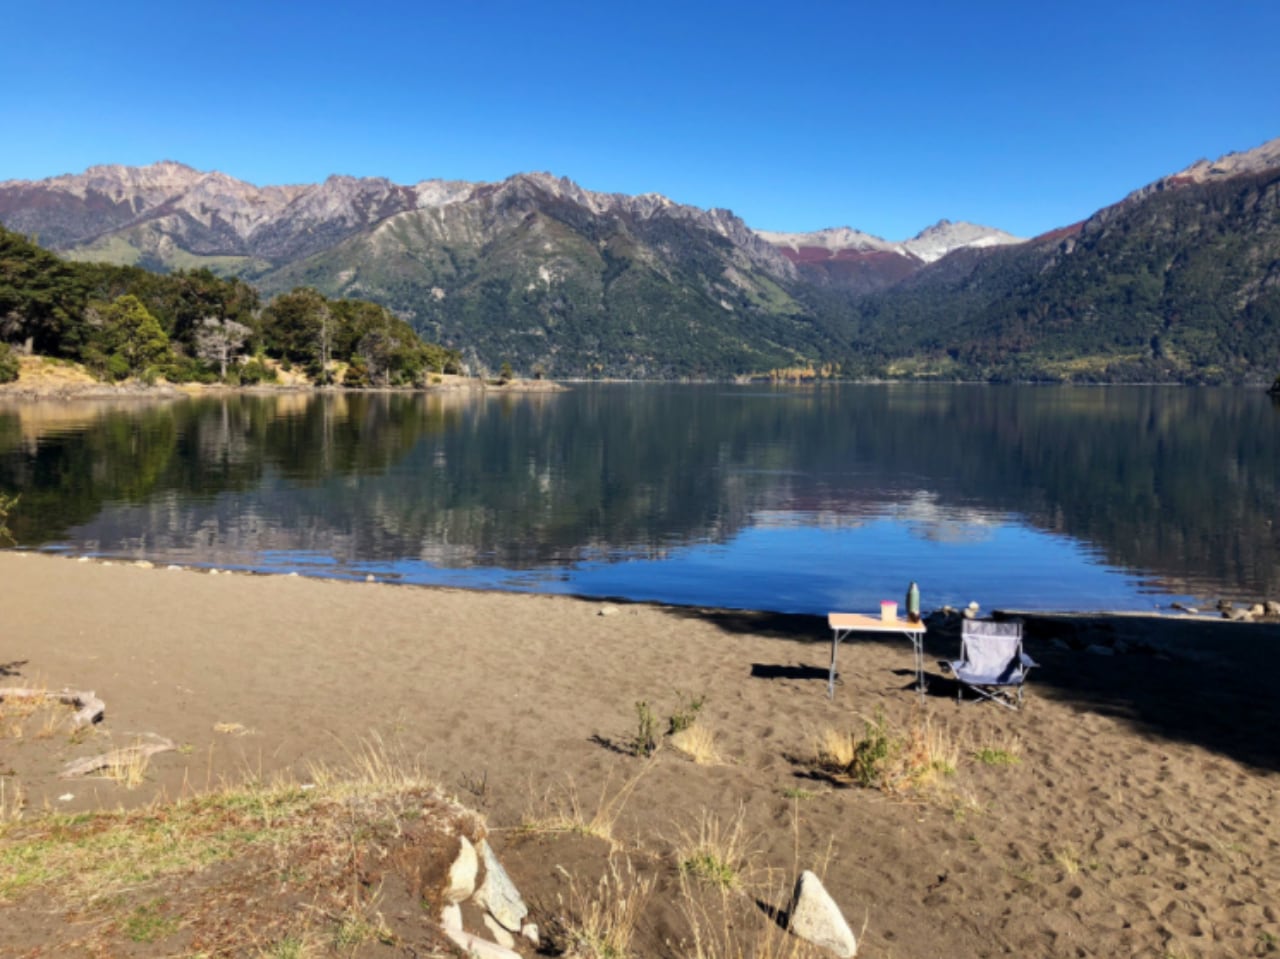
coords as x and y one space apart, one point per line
886 117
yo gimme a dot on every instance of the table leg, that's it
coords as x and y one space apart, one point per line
917 642
831 676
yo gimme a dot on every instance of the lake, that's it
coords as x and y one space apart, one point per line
791 499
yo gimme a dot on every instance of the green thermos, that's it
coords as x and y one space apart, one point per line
913 603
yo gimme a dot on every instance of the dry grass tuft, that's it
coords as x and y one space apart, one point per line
128 766
835 748
1068 859
601 923
718 853
563 811
698 743
723 926
12 802
916 760
16 710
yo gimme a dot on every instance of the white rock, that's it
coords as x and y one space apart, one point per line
370 578
82 559
462 874
66 797
817 919
500 935
608 611
498 895
451 917
144 564
1272 607
479 948
530 931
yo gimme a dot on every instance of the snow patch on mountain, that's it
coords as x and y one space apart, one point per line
933 243
930 244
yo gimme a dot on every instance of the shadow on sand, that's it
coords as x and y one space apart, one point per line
1196 680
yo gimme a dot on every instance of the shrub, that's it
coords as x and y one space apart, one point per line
255 371
893 762
10 365
685 713
6 504
357 373
645 740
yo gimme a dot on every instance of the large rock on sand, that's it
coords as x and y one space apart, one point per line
497 894
462 874
817 919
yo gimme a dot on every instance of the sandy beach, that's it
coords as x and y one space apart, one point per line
1137 818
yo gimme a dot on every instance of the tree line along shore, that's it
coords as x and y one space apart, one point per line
126 324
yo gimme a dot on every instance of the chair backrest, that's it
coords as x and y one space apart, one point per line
991 648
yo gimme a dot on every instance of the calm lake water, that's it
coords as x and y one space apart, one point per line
804 499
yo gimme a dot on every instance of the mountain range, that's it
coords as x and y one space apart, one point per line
1180 280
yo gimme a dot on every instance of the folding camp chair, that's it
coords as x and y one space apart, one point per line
991 661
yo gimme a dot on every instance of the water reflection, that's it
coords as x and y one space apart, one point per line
791 499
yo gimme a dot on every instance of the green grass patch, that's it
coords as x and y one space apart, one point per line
992 756
149 922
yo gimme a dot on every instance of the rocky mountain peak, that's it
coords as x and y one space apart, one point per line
1256 160
832 239
935 242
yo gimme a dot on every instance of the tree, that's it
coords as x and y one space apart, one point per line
300 326
128 337
217 339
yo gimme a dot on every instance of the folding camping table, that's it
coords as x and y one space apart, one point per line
842 624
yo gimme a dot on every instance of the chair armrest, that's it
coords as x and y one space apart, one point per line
1028 662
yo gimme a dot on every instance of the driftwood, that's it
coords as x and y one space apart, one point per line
117 758
89 708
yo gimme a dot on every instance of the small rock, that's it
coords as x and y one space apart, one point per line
1100 650
530 931
82 559
1257 609
1239 616
500 935
474 946
173 567
107 562
371 578
608 611
451 917
144 564
817 919
462 874
498 895
1272 607
66 797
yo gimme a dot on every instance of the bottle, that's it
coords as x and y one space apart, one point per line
913 603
